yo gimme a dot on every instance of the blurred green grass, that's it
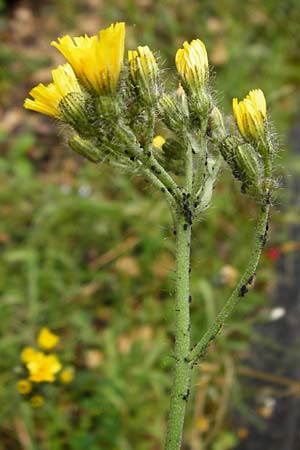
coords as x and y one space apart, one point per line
89 252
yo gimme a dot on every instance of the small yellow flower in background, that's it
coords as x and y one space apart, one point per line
229 275
24 387
46 339
43 368
67 375
37 401
47 98
96 60
27 354
250 114
158 142
202 423
192 63
243 432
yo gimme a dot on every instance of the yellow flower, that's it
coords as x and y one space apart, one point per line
37 401
250 114
66 376
27 354
192 63
96 60
158 141
46 339
47 98
24 387
43 368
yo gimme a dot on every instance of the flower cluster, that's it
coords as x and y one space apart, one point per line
112 104
40 366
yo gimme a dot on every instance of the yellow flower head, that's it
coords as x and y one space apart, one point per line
27 354
67 375
158 141
47 98
96 60
24 387
37 401
250 114
46 339
192 63
43 368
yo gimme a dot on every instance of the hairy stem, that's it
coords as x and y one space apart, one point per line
161 174
136 152
182 369
240 290
189 170
150 129
160 186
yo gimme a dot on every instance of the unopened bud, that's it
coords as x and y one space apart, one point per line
144 73
182 100
246 166
250 115
72 111
171 113
85 148
192 64
216 125
200 106
107 108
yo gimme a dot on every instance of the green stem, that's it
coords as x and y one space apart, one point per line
189 170
147 158
239 291
159 185
182 369
161 174
150 128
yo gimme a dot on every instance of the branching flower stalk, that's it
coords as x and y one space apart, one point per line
111 107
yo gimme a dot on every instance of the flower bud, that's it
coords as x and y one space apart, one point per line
144 73
246 165
71 108
171 113
107 108
216 125
250 115
182 100
85 148
192 64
